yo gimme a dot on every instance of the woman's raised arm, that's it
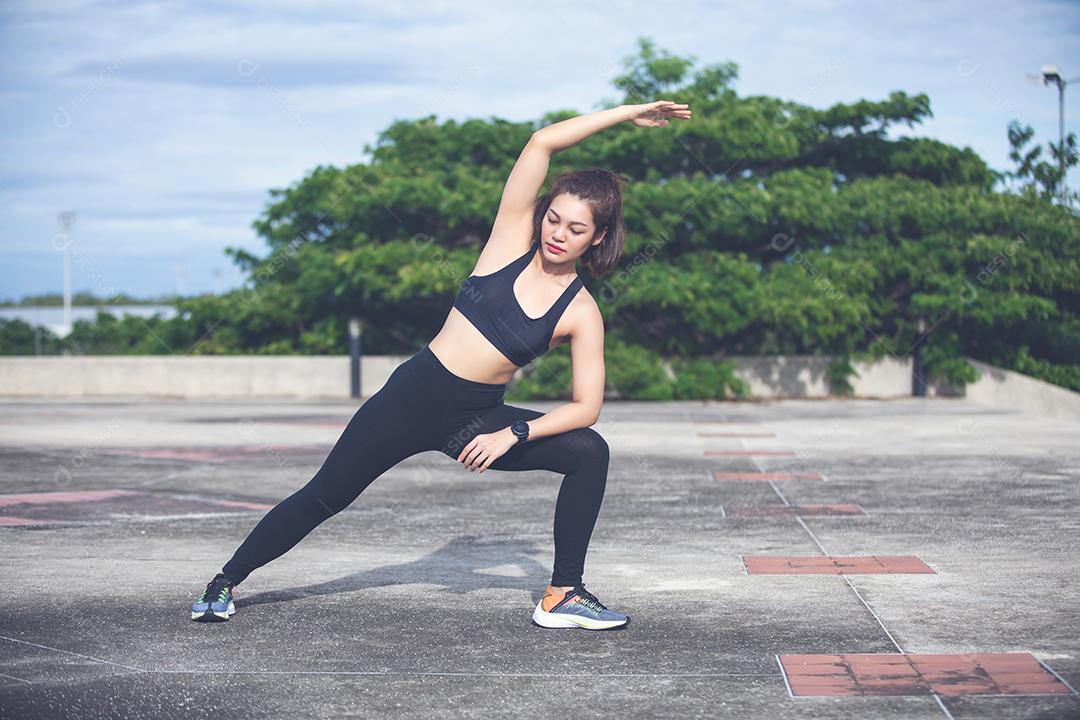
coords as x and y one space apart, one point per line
561 135
513 223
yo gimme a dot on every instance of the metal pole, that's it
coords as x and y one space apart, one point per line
355 329
1061 135
1051 74
67 220
918 372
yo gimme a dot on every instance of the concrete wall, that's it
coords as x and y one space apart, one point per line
776 376
1002 388
248 376
224 376
328 376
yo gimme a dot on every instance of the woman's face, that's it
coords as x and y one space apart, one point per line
568 226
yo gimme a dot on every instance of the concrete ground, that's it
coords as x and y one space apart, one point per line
416 600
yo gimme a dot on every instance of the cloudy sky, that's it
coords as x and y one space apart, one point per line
162 125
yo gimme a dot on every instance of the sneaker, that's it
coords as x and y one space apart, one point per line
215 604
578 608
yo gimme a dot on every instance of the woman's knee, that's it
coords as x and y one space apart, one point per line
327 495
590 446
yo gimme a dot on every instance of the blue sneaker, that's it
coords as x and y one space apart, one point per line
215 604
578 608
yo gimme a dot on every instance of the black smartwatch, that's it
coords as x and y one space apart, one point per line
520 428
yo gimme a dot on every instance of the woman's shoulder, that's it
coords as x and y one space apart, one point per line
583 311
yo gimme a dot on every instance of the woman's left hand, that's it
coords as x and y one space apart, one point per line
485 449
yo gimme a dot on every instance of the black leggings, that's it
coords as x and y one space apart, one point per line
424 406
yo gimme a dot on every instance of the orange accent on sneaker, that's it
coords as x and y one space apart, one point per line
551 599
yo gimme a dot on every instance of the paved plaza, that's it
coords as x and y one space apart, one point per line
792 559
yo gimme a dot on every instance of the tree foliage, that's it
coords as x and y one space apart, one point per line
761 226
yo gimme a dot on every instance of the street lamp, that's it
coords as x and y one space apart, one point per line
67 219
356 330
1052 76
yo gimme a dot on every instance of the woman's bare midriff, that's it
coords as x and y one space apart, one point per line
468 354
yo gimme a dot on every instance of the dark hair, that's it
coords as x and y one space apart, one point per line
601 190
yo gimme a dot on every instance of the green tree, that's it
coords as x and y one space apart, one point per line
762 226
1046 179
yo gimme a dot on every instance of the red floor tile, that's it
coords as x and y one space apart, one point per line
749 453
833 564
736 435
947 674
224 453
238 504
728 421
764 476
8 520
842 510
44 498
44 508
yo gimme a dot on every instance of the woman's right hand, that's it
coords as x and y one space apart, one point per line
656 114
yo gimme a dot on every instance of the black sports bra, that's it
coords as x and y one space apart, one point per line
488 301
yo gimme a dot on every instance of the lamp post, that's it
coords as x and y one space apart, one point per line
67 219
356 328
918 370
1052 76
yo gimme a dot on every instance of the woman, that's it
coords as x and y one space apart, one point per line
524 297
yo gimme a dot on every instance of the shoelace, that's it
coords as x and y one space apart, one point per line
589 600
215 591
